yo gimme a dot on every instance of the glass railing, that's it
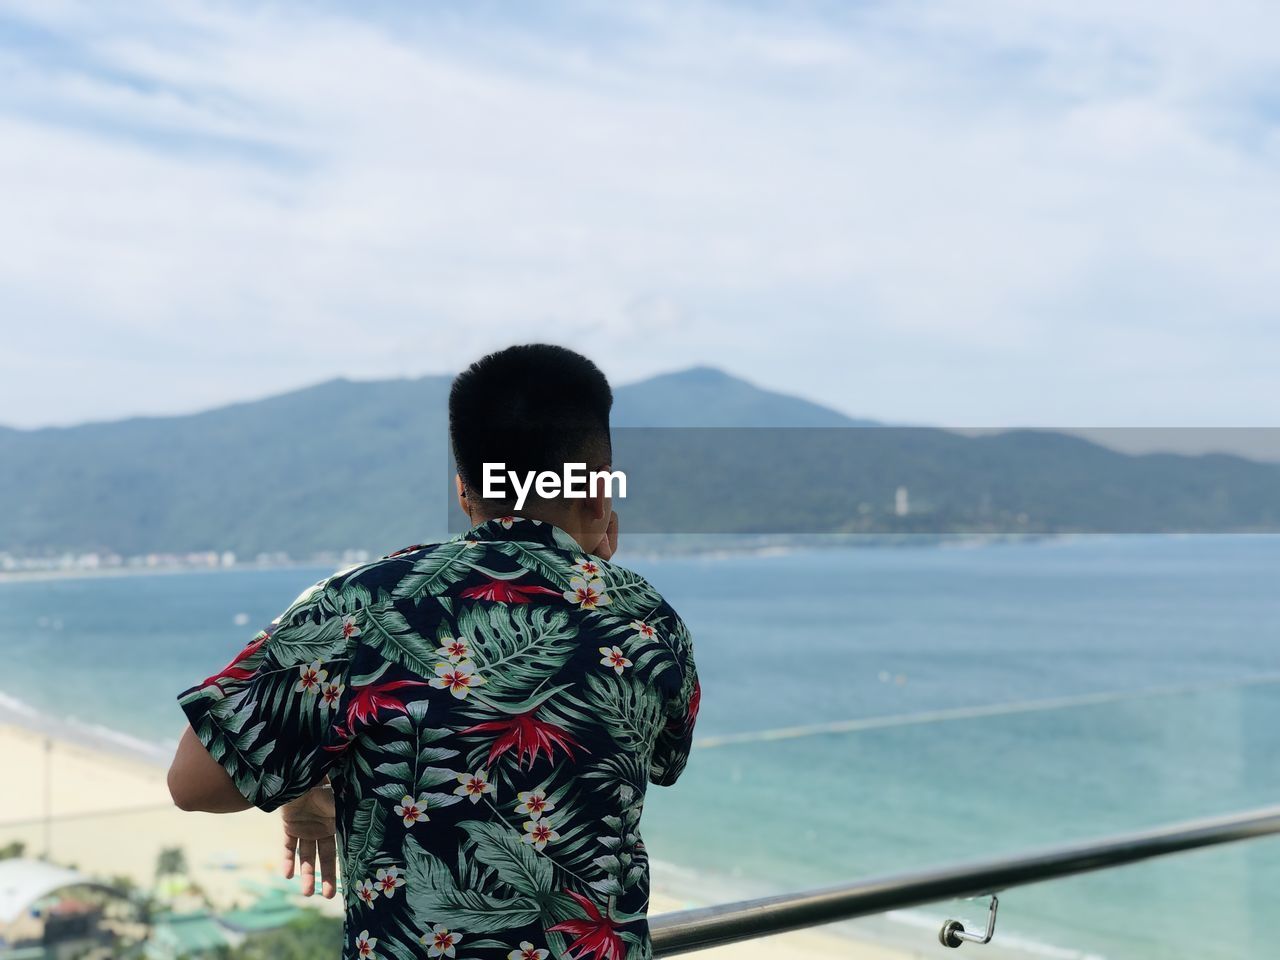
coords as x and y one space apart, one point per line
769 817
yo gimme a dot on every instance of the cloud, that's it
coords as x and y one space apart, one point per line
990 211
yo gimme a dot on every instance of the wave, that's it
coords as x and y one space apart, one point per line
70 730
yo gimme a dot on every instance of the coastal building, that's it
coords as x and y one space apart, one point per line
49 912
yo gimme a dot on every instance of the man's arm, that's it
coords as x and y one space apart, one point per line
675 740
198 782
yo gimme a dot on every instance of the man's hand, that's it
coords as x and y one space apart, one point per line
309 828
608 544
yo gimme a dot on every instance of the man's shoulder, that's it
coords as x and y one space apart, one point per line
383 575
631 596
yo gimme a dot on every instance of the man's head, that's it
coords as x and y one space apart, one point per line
534 407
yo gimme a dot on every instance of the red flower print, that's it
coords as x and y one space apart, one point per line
233 672
528 737
366 703
504 591
597 935
401 552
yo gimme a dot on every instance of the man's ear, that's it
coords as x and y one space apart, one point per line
598 503
462 495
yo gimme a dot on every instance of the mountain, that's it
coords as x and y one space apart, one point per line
707 397
348 464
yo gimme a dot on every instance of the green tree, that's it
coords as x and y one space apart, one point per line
309 936
11 851
171 861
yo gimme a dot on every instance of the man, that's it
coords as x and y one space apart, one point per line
476 720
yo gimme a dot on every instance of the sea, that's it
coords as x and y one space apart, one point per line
865 712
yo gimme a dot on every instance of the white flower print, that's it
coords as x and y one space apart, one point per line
587 567
367 892
473 785
642 628
539 833
310 677
388 881
527 951
365 945
614 658
444 942
412 811
533 803
457 678
330 694
587 594
454 649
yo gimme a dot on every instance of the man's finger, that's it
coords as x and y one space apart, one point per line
290 855
327 853
307 854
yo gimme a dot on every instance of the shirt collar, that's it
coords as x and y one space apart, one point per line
525 530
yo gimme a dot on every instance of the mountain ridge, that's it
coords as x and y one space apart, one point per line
363 464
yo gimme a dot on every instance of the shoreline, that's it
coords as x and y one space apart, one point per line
669 547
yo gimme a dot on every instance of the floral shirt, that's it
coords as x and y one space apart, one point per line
489 711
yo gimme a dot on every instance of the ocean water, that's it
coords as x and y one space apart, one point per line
1017 695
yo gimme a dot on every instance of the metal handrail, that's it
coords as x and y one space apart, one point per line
686 930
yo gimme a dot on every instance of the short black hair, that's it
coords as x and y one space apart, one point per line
534 406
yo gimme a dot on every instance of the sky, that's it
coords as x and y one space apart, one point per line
970 212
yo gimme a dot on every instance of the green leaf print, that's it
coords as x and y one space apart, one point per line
548 564
367 828
445 565
515 649
630 709
517 863
434 897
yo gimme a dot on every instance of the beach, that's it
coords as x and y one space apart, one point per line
110 816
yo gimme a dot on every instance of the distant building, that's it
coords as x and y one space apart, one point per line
53 913
901 503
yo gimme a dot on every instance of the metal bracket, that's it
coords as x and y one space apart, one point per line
953 932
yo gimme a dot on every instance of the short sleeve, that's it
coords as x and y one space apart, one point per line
671 751
275 717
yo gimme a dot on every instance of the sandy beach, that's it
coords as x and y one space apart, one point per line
110 815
